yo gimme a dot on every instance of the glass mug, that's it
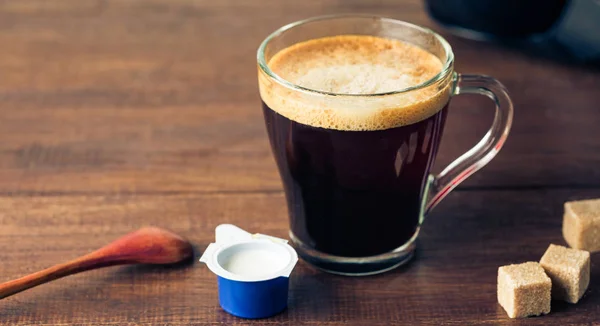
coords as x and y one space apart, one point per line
356 198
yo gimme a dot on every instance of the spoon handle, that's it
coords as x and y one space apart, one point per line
149 245
81 264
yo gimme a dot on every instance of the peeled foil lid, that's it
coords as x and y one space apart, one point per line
241 256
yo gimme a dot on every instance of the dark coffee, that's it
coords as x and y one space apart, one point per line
354 193
354 168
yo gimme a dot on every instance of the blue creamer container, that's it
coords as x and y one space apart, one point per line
252 271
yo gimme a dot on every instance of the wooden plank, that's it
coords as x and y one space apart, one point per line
452 280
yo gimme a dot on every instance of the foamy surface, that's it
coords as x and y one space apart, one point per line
351 64
356 79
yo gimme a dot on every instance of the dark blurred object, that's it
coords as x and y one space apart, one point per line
560 29
501 18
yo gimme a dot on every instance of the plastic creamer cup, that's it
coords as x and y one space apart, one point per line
252 271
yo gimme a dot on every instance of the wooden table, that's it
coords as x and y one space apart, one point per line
120 114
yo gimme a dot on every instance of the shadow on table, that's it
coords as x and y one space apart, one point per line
312 293
322 296
142 269
98 285
532 52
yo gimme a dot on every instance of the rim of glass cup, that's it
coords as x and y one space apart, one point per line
439 76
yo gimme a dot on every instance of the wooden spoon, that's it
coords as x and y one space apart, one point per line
148 245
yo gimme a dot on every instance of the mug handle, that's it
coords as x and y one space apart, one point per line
438 186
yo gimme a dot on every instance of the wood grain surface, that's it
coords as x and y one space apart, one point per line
120 114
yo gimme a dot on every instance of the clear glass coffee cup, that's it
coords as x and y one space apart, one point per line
355 166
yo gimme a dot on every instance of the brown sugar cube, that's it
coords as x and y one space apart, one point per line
569 270
581 224
524 290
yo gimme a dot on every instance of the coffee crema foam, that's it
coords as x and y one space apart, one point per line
355 64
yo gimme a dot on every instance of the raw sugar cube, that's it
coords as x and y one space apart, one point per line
581 224
524 290
569 270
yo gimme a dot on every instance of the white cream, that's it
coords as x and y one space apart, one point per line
253 262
